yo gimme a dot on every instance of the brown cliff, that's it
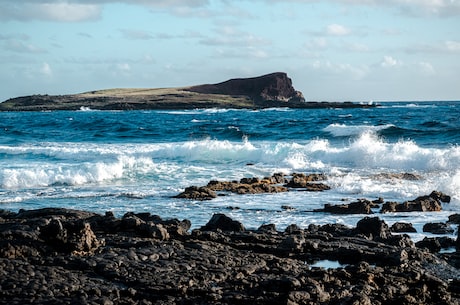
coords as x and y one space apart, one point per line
274 87
271 90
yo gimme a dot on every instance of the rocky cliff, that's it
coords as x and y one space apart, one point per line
274 87
271 90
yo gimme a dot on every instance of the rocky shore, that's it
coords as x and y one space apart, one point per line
61 256
271 90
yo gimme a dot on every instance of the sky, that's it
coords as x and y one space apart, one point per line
333 50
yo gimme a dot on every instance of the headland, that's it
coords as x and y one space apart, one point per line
266 91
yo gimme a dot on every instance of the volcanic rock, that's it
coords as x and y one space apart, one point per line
224 223
403 227
373 228
267 88
437 228
359 207
197 193
238 266
430 203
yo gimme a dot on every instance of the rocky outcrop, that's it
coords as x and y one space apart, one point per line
143 259
271 90
256 185
274 87
429 203
361 206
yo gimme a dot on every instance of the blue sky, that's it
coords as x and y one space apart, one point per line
333 50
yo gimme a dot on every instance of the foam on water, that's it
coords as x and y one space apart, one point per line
136 161
350 167
343 130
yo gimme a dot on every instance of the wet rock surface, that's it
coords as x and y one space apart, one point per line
57 256
277 183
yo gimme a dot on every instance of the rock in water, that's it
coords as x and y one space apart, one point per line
224 223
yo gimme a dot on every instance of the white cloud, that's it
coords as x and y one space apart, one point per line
389 61
452 46
337 30
124 67
20 46
343 69
136 34
426 68
60 11
46 70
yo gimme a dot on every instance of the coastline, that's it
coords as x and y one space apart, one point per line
155 99
70 256
266 91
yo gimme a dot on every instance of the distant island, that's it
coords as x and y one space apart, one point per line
266 91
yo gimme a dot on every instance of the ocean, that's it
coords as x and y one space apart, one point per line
124 161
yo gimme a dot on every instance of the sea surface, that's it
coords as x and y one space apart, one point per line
123 161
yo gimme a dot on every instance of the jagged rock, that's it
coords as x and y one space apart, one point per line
302 180
454 219
374 228
358 207
437 228
431 244
430 203
271 87
261 266
458 238
224 223
403 227
197 193
402 176
72 236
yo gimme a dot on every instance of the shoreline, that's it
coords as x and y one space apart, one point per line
64 256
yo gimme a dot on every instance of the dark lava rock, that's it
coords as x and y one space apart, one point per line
271 87
358 207
430 203
455 219
308 182
374 228
224 223
403 227
72 237
239 266
438 228
197 193
430 243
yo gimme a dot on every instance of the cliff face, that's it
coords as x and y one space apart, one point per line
271 87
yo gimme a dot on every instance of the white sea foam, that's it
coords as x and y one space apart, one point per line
171 166
342 130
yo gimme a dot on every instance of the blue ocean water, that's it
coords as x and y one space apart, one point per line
124 161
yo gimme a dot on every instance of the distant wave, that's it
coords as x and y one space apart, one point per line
342 130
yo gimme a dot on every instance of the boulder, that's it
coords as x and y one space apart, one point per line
430 203
403 227
373 228
197 193
223 223
437 228
302 180
358 207
70 237
454 219
458 239
429 243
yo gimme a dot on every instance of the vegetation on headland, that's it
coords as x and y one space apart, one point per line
271 90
